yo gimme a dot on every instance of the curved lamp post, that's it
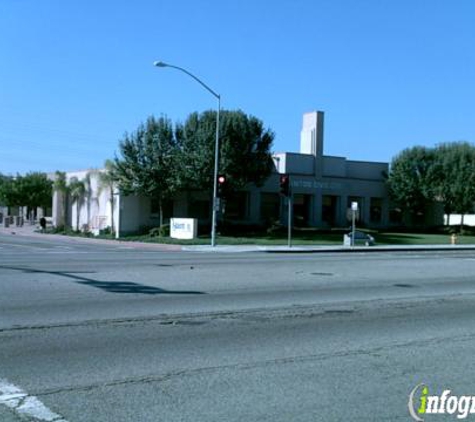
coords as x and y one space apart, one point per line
216 146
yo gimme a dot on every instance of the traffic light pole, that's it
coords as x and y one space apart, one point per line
289 222
286 192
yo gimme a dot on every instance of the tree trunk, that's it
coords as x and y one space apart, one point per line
65 210
112 210
88 208
77 215
160 202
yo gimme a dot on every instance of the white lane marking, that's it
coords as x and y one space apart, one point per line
24 404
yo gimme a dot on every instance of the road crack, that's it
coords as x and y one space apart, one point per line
376 352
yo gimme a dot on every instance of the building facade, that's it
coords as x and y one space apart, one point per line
323 188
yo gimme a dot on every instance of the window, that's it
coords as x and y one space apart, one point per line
237 206
329 209
200 209
376 210
270 207
155 208
395 216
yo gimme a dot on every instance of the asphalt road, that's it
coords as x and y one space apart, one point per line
113 332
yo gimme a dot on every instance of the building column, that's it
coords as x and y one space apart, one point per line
58 213
316 216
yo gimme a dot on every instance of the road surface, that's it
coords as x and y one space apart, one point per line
111 332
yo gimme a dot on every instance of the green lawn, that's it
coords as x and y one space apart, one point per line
315 238
305 237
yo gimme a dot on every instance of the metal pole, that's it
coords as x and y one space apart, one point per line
289 222
216 147
353 218
215 182
118 205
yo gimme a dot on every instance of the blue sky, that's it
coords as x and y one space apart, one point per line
76 75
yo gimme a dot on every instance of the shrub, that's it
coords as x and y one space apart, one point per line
163 231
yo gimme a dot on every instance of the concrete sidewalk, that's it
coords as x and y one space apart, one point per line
33 231
25 229
325 248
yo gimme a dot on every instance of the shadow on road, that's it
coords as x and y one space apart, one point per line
108 286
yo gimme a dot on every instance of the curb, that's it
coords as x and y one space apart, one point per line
297 249
326 249
363 249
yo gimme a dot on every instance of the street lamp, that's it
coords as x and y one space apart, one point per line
216 146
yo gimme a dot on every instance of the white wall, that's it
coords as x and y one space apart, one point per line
456 219
94 210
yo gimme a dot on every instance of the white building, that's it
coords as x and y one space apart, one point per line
92 212
323 188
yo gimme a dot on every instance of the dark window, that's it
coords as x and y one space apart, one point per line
270 207
237 206
395 216
155 208
376 210
329 209
200 209
302 204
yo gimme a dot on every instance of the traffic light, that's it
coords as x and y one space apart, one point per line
221 185
285 184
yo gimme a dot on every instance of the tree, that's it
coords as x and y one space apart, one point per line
453 177
35 190
88 191
148 163
60 185
9 195
107 180
77 190
158 160
244 155
409 179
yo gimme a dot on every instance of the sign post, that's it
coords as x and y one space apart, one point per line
289 222
354 210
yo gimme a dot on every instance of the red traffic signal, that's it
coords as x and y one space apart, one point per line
285 184
221 185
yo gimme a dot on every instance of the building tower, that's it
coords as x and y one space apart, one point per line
311 138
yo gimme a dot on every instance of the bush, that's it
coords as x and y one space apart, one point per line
105 231
275 228
163 231
144 230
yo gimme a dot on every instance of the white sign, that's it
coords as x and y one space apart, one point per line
183 228
354 206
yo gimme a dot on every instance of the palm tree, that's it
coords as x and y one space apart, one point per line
77 190
107 180
61 186
88 193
